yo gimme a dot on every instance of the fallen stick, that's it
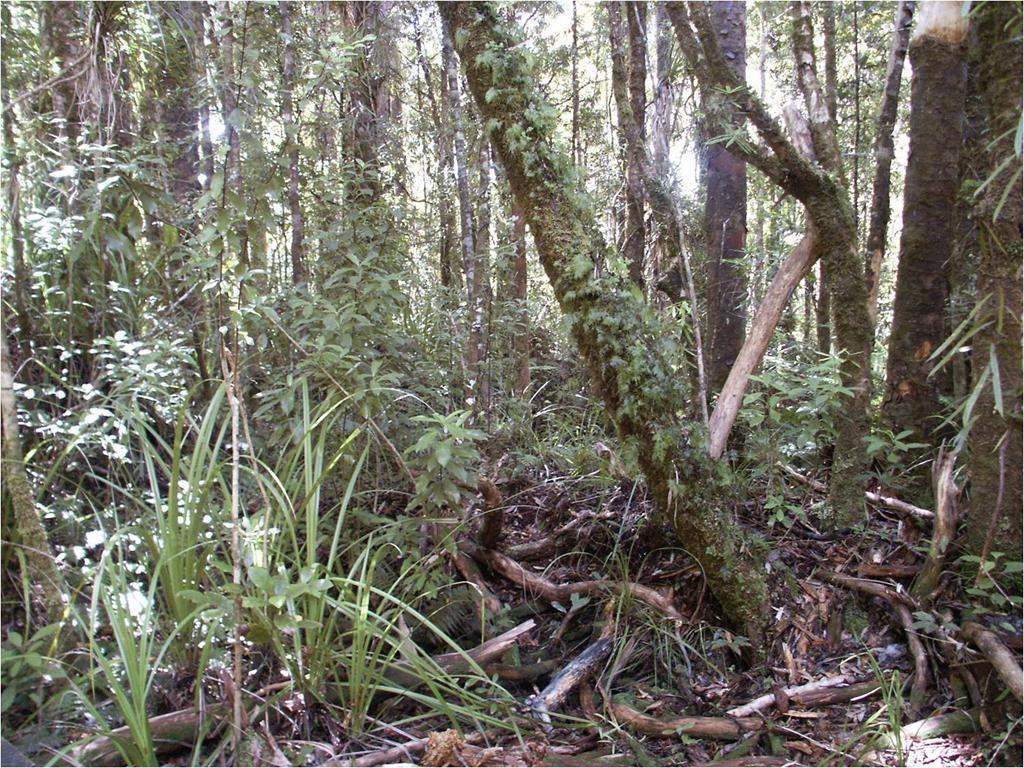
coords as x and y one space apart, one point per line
397 754
944 530
524 673
404 673
562 684
870 588
874 498
1003 662
535 550
725 728
547 589
804 694
169 732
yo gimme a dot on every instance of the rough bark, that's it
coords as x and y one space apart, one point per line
992 466
937 53
724 176
61 39
26 525
291 132
617 339
233 181
878 223
636 235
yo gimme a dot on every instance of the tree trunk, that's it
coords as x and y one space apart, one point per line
636 234
291 134
521 343
232 120
608 321
12 193
994 520
724 176
937 53
465 209
624 86
878 225
27 528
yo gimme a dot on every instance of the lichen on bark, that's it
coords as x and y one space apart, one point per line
620 339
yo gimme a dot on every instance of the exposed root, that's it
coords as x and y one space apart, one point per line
1003 662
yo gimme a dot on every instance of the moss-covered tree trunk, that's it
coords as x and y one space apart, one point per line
724 176
619 342
19 502
938 56
994 519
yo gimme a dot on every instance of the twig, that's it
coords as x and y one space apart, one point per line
725 728
836 685
874 498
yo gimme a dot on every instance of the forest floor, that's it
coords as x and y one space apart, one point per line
852 672
869 688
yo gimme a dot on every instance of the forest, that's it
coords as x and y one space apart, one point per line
517 383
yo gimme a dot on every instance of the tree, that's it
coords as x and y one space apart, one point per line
724 176
291 134
938 56
994 521
728 103
618 341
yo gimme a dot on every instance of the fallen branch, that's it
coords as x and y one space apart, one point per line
566 681
999 656
524 673
725 728
550 591
874 498
944 531
544 547
170 732
404 673
830 690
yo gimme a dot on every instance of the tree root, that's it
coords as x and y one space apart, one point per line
1002 660
831 690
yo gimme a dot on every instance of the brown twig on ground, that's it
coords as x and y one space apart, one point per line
726 728
170 732
874 498
547 589
944 530
999 656
398 753
524 673
830 690
886 570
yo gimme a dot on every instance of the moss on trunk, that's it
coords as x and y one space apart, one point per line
619 337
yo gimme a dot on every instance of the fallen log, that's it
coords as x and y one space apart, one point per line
562 684
999 656
170 732
830 690
725 728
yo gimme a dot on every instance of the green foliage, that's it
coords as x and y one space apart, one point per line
987 576
445 457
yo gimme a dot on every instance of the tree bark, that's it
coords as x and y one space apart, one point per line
636 232
26 527
233 180
878 224
724 176
291 133
521 342
938 55
618 340
995 439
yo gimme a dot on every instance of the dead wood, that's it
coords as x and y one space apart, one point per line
869 587
493 516
569 678
875 498
830 690
524 673
944 530
468 568
886 570
547 589
548 545
725 728
1002 660
405 674
399 753
170 732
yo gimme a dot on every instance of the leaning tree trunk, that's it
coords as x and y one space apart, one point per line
724 176
26 526
994 519
618 341
937 93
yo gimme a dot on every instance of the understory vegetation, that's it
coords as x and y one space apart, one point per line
519 383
